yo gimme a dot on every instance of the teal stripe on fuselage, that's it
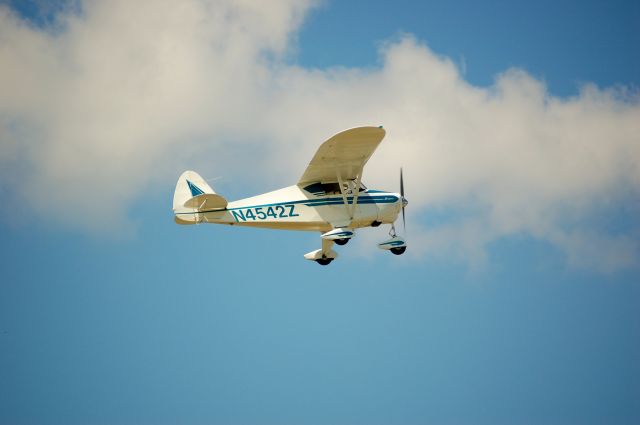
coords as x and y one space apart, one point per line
329 201
386 199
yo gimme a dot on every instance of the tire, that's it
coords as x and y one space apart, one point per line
399 250
341 241
324 261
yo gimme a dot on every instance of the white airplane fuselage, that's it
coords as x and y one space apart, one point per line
294 208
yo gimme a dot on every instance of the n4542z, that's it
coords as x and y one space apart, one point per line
264 213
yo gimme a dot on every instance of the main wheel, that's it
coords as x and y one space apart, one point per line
399 250
324 261
341 241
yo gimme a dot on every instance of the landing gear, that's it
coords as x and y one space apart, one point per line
341 241
324 261
398 250
324 255
396 244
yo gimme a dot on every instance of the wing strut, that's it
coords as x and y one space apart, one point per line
356 192
343 191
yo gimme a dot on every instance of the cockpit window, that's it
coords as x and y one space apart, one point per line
315 189
331 188
320 189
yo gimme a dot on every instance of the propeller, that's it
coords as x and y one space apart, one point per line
404 202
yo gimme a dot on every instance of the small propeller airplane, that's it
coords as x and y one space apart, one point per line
329 198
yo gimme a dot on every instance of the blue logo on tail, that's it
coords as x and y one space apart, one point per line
195 190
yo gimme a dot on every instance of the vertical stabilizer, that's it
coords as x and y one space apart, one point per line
190 185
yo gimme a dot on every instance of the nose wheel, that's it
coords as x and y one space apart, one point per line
398 250
396 244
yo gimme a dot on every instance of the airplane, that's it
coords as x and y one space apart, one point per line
329 198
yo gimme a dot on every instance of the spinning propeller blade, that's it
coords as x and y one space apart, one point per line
404 202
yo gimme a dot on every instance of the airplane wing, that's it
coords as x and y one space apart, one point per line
343 156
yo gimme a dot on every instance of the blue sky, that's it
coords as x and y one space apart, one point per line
565 43
517 305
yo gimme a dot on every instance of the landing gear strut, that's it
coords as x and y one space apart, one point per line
324 255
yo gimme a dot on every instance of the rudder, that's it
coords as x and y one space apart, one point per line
189 185
192 196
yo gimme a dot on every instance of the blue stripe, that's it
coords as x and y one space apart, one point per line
386 199
394 243
329 201
341 234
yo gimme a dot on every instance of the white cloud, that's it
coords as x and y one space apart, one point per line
123 95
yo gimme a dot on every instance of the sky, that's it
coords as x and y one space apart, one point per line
517 126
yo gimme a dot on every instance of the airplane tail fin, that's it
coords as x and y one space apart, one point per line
193 196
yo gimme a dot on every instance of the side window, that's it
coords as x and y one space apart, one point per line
320 189
315 189
331 188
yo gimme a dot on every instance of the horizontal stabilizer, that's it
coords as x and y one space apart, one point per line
206 202
186 219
